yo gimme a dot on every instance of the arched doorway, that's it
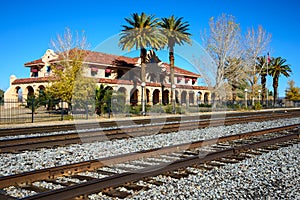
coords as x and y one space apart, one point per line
165 97
41 89
30 91
206 94
176 96
134 96
155 96
123 93
122 90
19 93
191 98
147 95
199 96
183 97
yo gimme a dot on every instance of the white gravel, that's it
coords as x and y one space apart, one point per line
13 163
273 175
82 130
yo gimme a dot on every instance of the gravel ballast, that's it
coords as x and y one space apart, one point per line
273 175
14 163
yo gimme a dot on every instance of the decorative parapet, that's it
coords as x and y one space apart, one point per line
49 56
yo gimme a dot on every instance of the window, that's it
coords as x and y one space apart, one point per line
107 72
187 80
179 79
48 69
34 71
194 80
35 74
120 73
94 71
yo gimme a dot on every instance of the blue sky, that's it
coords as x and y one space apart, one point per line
26 27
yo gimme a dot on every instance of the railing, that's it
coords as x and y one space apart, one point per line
14 111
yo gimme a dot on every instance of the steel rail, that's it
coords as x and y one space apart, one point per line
31 143
70 169
96 185
88 125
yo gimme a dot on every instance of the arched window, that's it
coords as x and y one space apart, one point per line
183 97
134 96
191 98
19 93
155 96
165 97
30 91
206 97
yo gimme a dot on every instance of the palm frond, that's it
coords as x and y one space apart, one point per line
175 30
141 32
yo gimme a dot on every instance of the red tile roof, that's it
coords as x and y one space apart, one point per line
185 72
98 58
181 71
31 80
109 59
35 62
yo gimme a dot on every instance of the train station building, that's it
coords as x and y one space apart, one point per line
121 74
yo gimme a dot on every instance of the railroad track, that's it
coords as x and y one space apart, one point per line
48 141
199 154
93 125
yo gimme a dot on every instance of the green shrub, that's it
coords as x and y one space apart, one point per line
68 117
127 108
257 106
180 109
136 109
168 108
234 106
158 108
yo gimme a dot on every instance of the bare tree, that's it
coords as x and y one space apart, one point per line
256 42
222 43
235 76
69 83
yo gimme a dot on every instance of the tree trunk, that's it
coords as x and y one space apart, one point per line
233 89
253 88
143 64
275 87
218 86
143 78
171 59
263 87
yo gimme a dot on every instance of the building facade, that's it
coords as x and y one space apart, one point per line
121 74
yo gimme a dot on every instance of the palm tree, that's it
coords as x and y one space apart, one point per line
261 67
176 32
142 32
102 96
277 68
